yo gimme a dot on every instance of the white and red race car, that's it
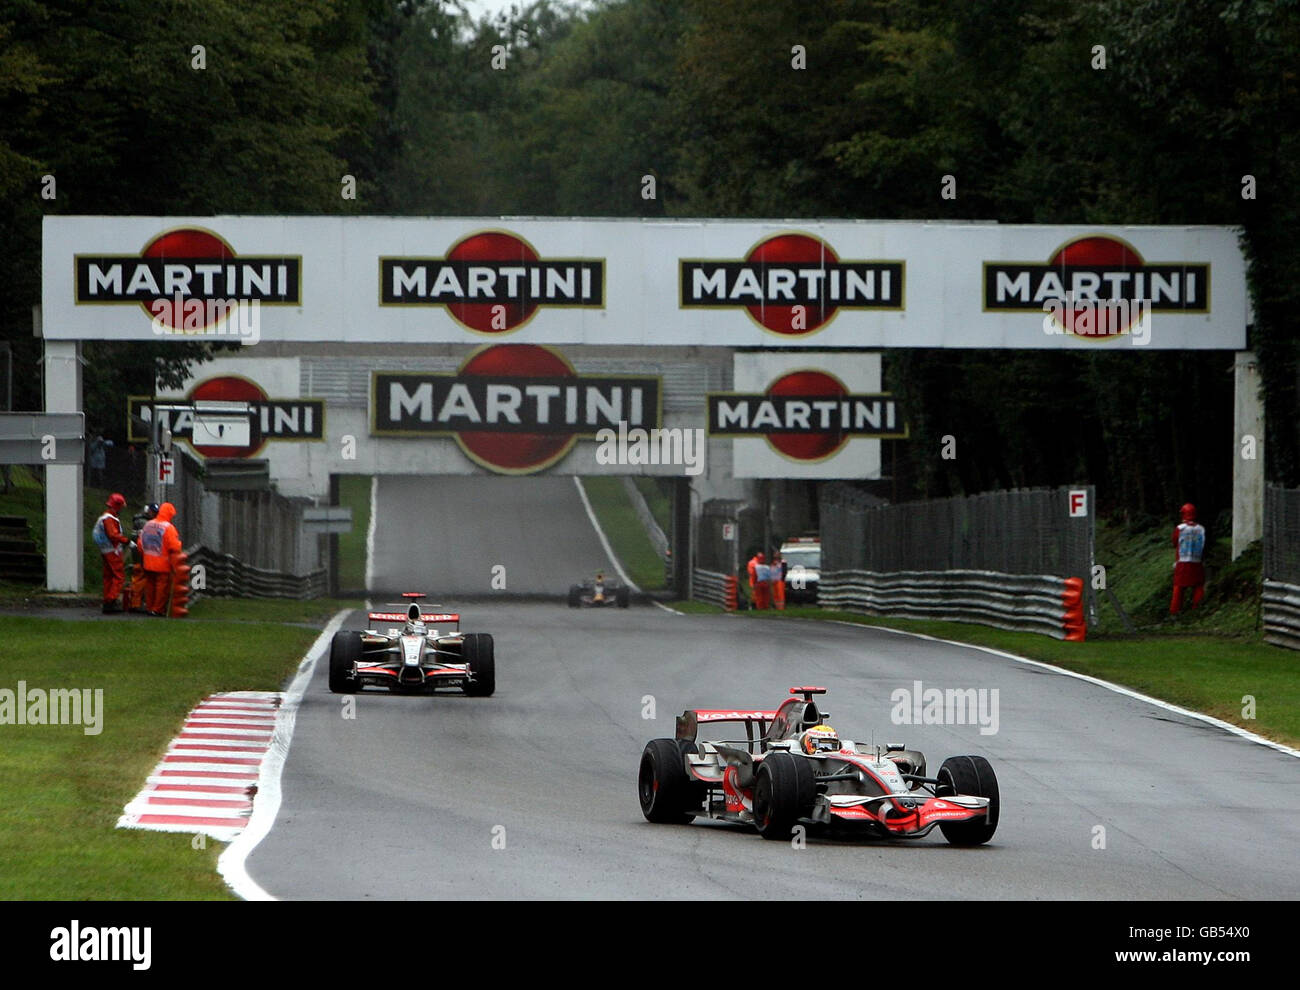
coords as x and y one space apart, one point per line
422 654
791 768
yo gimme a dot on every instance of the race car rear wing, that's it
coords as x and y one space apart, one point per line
428 618
755 721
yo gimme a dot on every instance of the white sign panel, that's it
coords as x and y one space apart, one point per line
1078 503
811 452
167 470
823 284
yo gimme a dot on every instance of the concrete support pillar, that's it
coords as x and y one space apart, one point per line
64 530
1248 457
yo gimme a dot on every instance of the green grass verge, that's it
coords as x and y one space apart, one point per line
26 498
354 492
697 608
624 531
1139 572
1209 674
658 500
314 612
64 790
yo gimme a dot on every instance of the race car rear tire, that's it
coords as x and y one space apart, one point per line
575 595
345 651
974 776
784 792
668 794
622 596
479 653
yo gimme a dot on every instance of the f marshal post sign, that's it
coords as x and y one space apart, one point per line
710 283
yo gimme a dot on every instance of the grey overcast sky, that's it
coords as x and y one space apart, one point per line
478 8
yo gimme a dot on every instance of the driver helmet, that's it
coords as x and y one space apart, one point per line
820 739
151 510
414 624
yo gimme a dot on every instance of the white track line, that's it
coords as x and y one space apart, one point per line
231 864
609 551
370 532
1236 730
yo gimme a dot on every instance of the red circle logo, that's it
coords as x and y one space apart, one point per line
1096 252
187 243
808 446
516 453
785 249
230 388
493 246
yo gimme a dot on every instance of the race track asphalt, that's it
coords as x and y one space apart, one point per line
445 536
532 793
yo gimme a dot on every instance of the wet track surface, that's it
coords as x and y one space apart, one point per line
406 799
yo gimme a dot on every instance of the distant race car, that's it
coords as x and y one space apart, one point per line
425 653
600 590
791 768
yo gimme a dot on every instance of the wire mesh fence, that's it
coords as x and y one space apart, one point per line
727 528
261 530
1282 534
1026 531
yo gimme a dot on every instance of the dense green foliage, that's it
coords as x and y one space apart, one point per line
557 111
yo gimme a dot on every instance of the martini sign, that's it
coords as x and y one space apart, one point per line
268 419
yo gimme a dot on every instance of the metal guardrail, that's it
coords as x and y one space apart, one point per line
1022 532
227 577
714 588
1281 613
1042 604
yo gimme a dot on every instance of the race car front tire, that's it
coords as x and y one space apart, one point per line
479 653
668 794
971 775
345 651
622 596
575 595
784 792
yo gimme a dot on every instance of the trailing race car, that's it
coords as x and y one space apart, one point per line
792 768
599 591
424 654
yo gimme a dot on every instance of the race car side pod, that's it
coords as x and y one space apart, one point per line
1073 622
180 585
730 590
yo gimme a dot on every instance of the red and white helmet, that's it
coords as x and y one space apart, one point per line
1188 512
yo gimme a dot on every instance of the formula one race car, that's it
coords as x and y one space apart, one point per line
425 653
791 768
599 591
